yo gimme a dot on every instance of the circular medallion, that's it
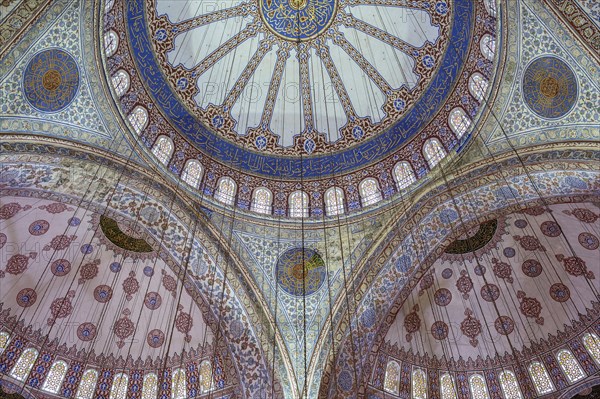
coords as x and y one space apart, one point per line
51 80
26 297
504 325
39 227
509 252
86 331
532 268
153 300
447 273
560 292
60 267
439 330
297 20
550 229
442 297
587 240
300 271
155 338
490 292
103 293
549 87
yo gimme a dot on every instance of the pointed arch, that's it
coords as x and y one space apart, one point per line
592 344
55 376
570 366
206 378
541 380
226 190
488 46
434 152
447 387
138 118
262 200
4 340
87 385
120 81
404 175
369 192
459 122
478 86
509 384
298 204
391 383
23 366
334 201
150 386
163 149
192 173
119 386
478 387
179 384
111 43
491 7
419 384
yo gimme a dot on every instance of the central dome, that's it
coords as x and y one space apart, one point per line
298 20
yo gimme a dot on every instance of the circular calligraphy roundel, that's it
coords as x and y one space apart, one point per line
297 20
300 271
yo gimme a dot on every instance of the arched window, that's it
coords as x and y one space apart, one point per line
592 344
150 386
21 369
262 200
433 152
206 380
178 384
138 118
509 384
478 387
226 189
87 386
391 383
488 46
569 365
55 377
120 81
404 175
369 192
119 386
419 384
111 42
192 173
298 203
163 149
447 387
334 201
478 86
490 6
4 340
459 121
541 379
109 5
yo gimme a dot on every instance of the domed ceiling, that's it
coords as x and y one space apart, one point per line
272 93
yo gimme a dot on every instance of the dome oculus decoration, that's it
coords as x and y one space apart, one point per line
300 271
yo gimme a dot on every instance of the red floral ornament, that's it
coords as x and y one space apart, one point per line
123 328
575 266
530 307
61 308
412 323
130 286
471 327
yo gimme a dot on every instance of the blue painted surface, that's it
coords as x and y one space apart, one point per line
297 20
343 161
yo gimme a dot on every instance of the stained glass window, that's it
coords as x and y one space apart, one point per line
592 344
55 376
120 81
488 46
109 5
119 386
261 200
391 383
404 175
298 204
192 173
334 201
478 387
569 364
447 387
150 386
490 6
541 379
138 118
23 366
111 42
87 386
478 86
226 189
4 339
205 377
459 121
178 387
419 384
163 148
369 192
509 384
433 152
